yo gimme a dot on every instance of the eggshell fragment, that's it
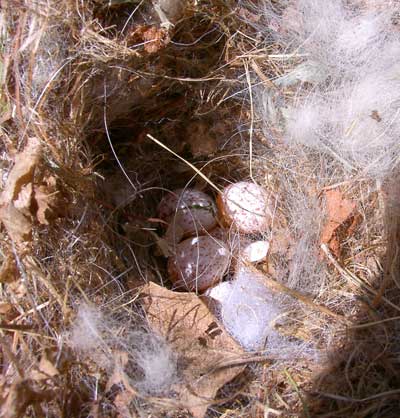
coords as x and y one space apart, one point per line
245 205
255 252
198 263
246 307
190 209
219 292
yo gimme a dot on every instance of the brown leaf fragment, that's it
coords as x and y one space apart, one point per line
121 359
8 270
155 39
18 227
23 170
201 344
152 37
5 308
46 199
339 212
23 201
16 198
47 367
46 370
119 378
122 401
248 16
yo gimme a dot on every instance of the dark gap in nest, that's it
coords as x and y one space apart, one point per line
118 15
241 400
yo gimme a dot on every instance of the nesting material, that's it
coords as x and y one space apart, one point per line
188 211
351 112
198 263
247 308
245 206
88 333
149 363
156 362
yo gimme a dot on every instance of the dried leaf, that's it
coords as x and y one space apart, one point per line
18 227
247 15
153 38
122 401
339 212
45 370
18 289
16 198
47 367
8 270
46 200
23 170
23 201
201 141
121 359
124 398
199 341
5 308
156 39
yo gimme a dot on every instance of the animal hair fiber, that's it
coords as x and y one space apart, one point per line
151 365
347 87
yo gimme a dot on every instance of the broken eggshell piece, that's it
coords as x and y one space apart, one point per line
245 251
188 210
255 252
246 308
245 205
198 263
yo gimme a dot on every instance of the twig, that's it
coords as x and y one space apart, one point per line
203 176
246 66
31 311
297 390
8 352
371 324
262 76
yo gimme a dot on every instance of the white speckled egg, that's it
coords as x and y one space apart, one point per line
190 209
246 206
198 263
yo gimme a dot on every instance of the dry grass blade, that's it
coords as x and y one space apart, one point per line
194 168
353 278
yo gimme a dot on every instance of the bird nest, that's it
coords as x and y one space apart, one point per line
107 107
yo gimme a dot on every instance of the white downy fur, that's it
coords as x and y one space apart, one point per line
152 366
351 111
